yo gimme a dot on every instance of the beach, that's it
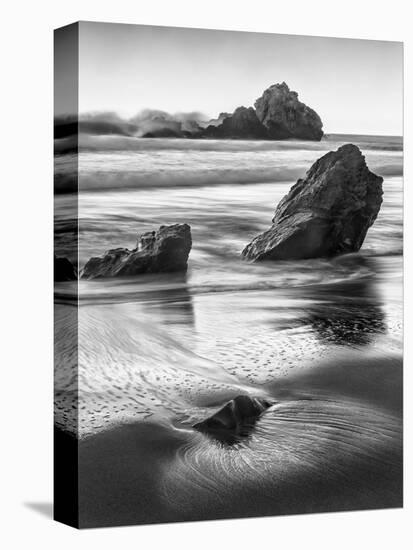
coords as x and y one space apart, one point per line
320 338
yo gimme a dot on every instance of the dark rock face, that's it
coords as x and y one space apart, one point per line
284 116
325 214
217 121
242 124
235 420
64 270
164 250
278 114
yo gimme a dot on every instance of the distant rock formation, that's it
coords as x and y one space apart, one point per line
164 250
284 116
242 124
217 121
235 420
277 115
325 214
64 270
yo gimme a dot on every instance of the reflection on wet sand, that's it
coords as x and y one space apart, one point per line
171 303
346 313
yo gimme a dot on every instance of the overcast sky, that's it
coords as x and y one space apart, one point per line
354 85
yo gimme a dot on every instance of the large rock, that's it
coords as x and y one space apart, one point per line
327 213
64 270
164 250
235 420
242 124
284 116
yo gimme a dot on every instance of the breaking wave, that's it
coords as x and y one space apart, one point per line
121 162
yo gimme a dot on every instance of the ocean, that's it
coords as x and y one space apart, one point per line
225 321
322 338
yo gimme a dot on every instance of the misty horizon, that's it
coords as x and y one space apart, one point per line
197 116
354 85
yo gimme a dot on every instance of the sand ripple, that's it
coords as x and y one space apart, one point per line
301 455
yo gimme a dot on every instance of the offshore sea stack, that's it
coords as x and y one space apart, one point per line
163 251
284 116
278 114
325 214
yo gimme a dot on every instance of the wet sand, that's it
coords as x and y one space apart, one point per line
119 472
316 450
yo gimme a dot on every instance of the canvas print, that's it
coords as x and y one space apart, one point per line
228 274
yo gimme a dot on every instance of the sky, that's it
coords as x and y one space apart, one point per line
356 86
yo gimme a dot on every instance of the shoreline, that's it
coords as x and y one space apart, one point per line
145 472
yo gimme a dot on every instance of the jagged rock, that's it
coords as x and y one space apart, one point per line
325 214
64 270
164 250
242 124
235 420
284 116
217 121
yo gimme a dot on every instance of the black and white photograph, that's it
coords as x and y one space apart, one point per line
228 274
